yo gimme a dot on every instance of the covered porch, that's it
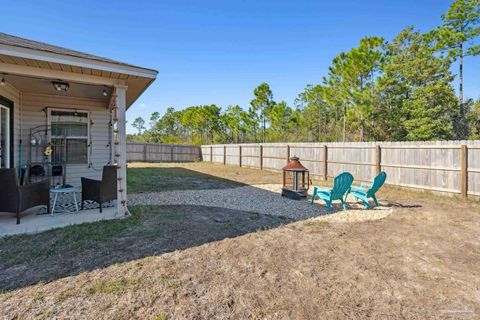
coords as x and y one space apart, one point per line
63 118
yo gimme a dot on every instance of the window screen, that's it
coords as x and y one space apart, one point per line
69 136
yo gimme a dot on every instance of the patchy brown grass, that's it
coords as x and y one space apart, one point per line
158 179
421 262
231 173
155 230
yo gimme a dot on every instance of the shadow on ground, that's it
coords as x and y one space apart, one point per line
174 178
394 204
383 204
153 230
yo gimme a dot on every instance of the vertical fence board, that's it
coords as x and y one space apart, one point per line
463 170
152 152
239 156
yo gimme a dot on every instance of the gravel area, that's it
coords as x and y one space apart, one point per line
263 199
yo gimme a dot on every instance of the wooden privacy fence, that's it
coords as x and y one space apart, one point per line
157 152
444 166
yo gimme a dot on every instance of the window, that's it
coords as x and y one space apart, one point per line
69 136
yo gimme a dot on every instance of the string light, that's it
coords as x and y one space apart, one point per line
117 153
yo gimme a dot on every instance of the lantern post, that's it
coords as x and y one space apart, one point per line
296 180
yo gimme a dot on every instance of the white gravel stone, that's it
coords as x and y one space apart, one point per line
263 199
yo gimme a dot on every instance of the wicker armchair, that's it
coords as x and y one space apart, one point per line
15 198
101 191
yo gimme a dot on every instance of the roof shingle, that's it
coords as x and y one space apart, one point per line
10 40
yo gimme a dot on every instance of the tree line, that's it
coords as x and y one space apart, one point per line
396 90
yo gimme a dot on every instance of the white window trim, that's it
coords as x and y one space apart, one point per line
7 138
87 137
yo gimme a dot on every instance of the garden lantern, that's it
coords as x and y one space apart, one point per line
296 180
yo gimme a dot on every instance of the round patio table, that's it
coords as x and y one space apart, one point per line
64 190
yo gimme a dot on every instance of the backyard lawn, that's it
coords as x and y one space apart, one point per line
418 260
146 177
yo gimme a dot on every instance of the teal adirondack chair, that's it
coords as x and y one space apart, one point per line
366 191
341 186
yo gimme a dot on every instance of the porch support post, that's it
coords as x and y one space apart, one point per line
121 148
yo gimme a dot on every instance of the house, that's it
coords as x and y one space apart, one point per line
62 112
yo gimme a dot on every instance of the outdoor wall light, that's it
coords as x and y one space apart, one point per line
104 92
60 86
2 82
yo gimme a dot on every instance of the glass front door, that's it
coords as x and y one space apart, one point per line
4 137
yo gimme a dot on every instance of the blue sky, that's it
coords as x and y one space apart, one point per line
219 51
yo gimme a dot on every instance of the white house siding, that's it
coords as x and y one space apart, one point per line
33 115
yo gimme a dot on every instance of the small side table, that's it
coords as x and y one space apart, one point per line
57 191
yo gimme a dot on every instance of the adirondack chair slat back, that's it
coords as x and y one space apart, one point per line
341 184
377 183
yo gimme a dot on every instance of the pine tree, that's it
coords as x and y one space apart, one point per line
457 35
416 89
262 104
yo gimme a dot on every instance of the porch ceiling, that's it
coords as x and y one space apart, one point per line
45 86
37 79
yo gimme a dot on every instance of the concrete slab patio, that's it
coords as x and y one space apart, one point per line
32 222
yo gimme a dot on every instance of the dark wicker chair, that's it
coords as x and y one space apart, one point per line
15 198
101 191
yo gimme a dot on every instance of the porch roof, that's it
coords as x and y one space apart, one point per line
25 57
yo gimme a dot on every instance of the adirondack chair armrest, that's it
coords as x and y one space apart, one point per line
364 186
326 191
324 194
362 192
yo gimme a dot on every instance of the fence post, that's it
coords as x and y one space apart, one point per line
144 153
288 153
325 162
464 170
211 153
224 155
240 155
378 159
171 153
261 157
